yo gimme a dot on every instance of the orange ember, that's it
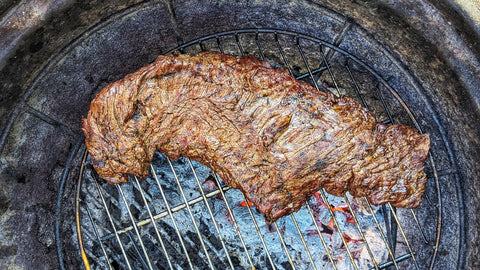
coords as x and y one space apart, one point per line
348 239
244 203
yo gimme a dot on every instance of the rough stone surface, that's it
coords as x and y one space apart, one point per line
195 17
35 45
31 165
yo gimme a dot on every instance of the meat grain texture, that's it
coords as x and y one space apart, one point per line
275 138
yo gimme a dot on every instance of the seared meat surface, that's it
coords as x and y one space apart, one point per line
276 139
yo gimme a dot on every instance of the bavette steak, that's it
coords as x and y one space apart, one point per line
273 137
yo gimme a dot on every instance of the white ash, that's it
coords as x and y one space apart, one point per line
225 223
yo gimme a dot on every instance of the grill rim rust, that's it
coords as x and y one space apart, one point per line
332 48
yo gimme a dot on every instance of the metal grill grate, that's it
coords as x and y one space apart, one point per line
183 216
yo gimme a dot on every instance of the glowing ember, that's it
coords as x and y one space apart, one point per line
244 203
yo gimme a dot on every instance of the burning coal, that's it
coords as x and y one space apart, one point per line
200 223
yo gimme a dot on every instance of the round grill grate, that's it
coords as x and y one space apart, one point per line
183 216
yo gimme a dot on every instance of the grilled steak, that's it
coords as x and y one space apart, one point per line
276 139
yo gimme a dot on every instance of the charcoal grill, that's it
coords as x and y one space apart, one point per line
183 216
412 63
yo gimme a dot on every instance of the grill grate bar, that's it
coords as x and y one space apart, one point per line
384 238
219 44
438 207
420 227
427 198
303 240
235 224
390 120
335 221
111 222
107 259
284 57
357 89
310 73
284 245
149 263
138 254
165 213
404 236
258 232
260 49
211 215
327 250
160 239
432 204
391 227
362 235
170 214
364 103
78 202
329 71
191 214
240 48
397 260
202 46
384 103
432 163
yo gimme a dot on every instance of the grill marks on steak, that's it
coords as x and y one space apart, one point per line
276 139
